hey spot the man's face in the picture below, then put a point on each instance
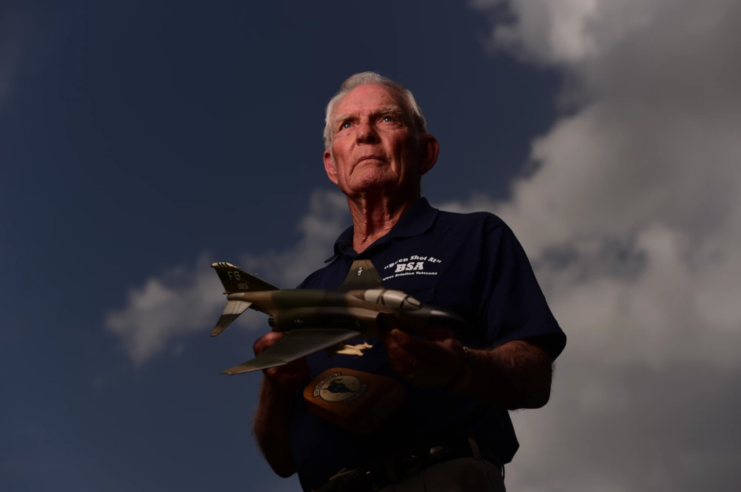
(374, 149)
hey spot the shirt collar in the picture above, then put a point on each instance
(414, 222)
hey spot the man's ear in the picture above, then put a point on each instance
(429, 149)
(331, 167)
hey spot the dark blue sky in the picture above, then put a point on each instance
(136, 135)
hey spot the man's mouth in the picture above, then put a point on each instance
(367, 158)
(370, 158)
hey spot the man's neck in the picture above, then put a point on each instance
(374, 217)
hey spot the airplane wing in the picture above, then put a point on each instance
(362, 276)
(293, 345)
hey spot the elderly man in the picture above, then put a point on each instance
(453, 430)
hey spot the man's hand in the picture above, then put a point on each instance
(514, 375)
(287, 378)
(436, 361)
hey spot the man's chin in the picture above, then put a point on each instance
(371, 179)
(368, 189)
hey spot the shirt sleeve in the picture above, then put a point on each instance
(515, 306)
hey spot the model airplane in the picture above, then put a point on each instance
(315, 319)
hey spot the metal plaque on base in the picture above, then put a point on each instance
(354, 400)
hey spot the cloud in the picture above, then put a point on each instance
(328, 216)
(165, 309)
(632, 220)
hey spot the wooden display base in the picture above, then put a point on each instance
(356, 401)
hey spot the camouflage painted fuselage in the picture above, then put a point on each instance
(356, 309)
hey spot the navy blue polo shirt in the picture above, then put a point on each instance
(470, 264)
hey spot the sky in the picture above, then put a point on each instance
(140, 141)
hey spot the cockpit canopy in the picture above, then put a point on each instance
(393, 298)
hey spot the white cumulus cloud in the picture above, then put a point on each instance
(165, 309)
(632, 219)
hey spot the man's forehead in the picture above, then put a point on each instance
(368, 98)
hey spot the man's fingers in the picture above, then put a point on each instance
(265, 341)
(400, 360)
(436, 334)
(288, 376)
(429, 352)
(298, 368)
(423, 362)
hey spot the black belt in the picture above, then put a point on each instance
(403, 464)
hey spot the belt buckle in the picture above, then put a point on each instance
(370, 479)
(438, 452)
(366, 483)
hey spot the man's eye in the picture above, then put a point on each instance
(388, 118)
(345, 125)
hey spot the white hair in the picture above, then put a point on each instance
(409, 107)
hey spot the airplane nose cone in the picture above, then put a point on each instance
(445, 319)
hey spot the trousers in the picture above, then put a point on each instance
(458, 475)
(458, 464)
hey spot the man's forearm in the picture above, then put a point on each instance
(515, 375)
(272, 428)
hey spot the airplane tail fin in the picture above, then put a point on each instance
(362, 275)
(235, 281)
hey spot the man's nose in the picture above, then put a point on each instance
(366, 133)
